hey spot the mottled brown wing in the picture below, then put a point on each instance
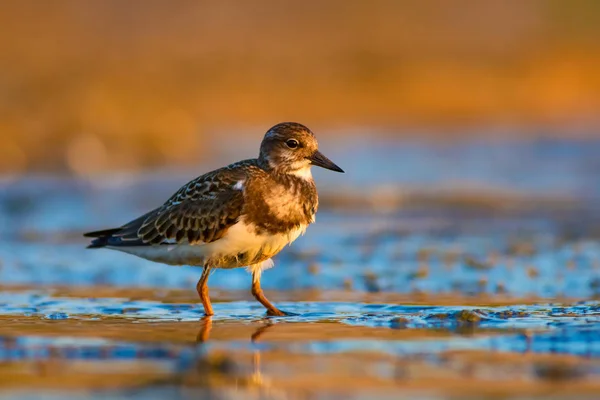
(200, 212)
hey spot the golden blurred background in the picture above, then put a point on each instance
(88, 86)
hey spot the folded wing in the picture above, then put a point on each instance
(200, 212)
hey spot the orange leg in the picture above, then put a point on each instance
(202, 288)
(258, 295)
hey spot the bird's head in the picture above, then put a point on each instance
(292, 148)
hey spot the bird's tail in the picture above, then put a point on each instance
(100, 237)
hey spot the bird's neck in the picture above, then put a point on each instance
(297, 177)
(302, 173)
(285, 170)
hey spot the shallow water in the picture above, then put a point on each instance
(121, 346)
(482, 294)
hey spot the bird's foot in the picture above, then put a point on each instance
(278, 313)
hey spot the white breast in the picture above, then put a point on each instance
(241, 238)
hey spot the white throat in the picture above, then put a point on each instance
(303, 173)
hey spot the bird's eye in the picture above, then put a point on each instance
(292, 143)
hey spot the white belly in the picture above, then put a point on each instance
(239, 239)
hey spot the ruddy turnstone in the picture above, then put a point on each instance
(237, 216)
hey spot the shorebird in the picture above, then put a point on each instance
(236, 216)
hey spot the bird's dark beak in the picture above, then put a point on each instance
(320, 160)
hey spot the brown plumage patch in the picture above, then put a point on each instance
(265, 213)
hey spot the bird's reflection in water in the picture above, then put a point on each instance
(205, 328)
(256, 378)
(260, 331)
(206, 324)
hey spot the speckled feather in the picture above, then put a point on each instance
(199, 212)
